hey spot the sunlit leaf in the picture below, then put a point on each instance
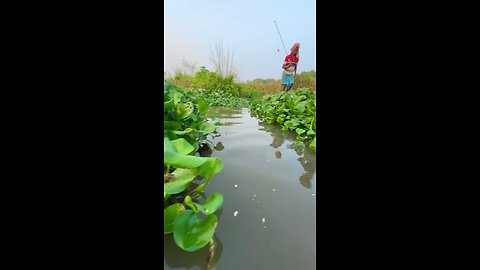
(191, 233)
(170, 214)
(182, 178)
(211, 204)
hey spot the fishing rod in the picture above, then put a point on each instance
(278, 30)
(280, 36)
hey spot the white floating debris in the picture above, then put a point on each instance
(254, 195)
(253, 199)
(313, 194)
(236, 186)
(263, 220)
(265, 227)
(235, 213)
(273, 189)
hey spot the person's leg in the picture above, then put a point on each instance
(290, 87)
(290, 82)
(284, 82)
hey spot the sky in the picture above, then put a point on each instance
(247, 27)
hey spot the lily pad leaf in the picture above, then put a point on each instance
(182, 146)
(299, 131)
(202, 105)
(170, 215)
(191, 233)
(206, 128)
(182, 178)
(211, 204)
(210, 168)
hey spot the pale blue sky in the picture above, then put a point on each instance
(247, 27)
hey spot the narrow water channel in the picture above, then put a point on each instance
(270, 183)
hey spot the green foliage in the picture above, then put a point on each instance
(192, 233)
(205, 79)
(213, 88)
(185, 128)
(218, 90)
(313, 144)
(185, 115)
(294, 110)
(226, 99)
(251, 93)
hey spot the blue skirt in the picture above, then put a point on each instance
(287, 80)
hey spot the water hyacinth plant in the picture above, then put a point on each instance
(294, 111)
(185, 174)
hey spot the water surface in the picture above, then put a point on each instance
(270, 181)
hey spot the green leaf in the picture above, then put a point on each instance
(299, 143)
(191, 233)
(310, 132)
(202, 105)
(288, 124)
(295, 122)
(171, 125)
(299, 131)
(175, 158)
(210, 168)
(168, 105)
(313, 144)
(211, 204)
(188, 202)
(182, 146)
(300, 107)
(184, 110)
(183, 132)
(177, 97)
(170, 214)
(206, 128)
(183, 177)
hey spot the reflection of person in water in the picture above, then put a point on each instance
(307, 161)
(309, 168)
(277, 135)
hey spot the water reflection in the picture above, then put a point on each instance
(206, 150)
(176, 257)
(306, 156)
(242, 147)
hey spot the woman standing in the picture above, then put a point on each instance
(290, 67)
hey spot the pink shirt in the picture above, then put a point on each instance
(290, 70)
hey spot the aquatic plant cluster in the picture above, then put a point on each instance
(222, 98)
(185, 175)
(214, 88)
(294, 110)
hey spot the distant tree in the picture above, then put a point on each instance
(222, 60)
